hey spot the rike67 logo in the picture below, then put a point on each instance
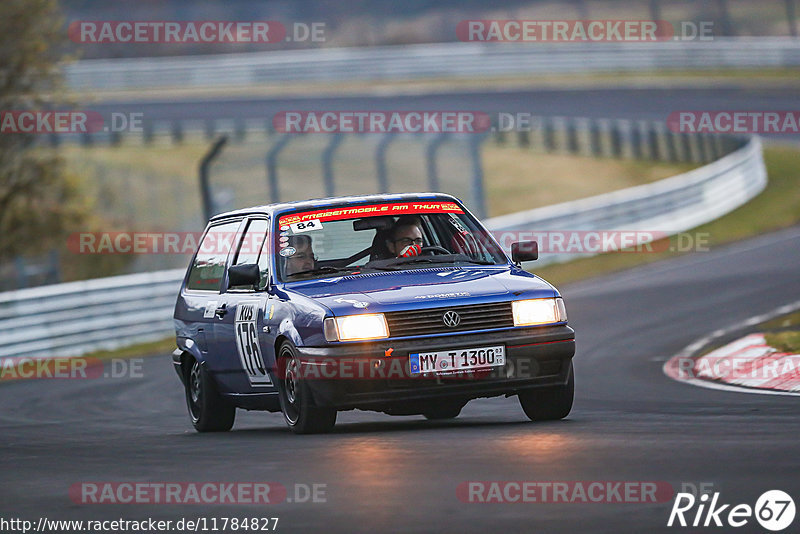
(774, 510)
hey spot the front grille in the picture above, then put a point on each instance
(473, 317)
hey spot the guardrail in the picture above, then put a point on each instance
(79, 317)
(669, 206)
(443, 60)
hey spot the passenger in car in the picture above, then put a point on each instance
(303, 259)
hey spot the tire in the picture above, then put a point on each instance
(299, 412)
(209, 411)
(449, 410)
(549, 404)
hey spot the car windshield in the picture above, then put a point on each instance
(390, 236)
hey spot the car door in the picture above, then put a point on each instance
(201, 295)
(240, 326)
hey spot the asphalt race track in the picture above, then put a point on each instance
(637, 103)
(400, 474)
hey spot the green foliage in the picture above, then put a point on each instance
(38, 202)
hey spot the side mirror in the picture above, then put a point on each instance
(246, 274)
(524, 251)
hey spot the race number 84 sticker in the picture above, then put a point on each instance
(247, 344)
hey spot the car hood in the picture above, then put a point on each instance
(422, 288)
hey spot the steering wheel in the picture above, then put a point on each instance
(433, 249)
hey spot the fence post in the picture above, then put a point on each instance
(380, 162)
(536, 133)
(548, 134)
(571, 131)
(272, 166)
(177, 132)
(583, 136)
(478, 193)
(147, 133)
(430, 152)
(615, 140)
(205, 163)
(595, 138)
(626, 141)
(327, 163)
(665, 147)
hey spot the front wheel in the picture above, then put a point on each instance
(210, 411)
(551, 403)
(298, 409)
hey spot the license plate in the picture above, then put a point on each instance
(447, 361)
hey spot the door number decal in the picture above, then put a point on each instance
(247, 344)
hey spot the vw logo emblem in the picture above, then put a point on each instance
(451, 319)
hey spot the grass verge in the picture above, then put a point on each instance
(783, 333)
(784, 341)
(161, 346)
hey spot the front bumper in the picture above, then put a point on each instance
(375, 375)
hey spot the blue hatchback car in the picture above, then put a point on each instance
(402, 304)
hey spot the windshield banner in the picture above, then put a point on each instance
(372, 210)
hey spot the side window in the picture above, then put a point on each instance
(251, 242)
(250, 246)
(209, 264)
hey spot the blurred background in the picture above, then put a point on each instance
(384, 22)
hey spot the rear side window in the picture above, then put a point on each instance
(209, 264)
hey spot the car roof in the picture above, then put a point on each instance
(269, 209)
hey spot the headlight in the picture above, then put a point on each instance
(538, 311)
(356, 327)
